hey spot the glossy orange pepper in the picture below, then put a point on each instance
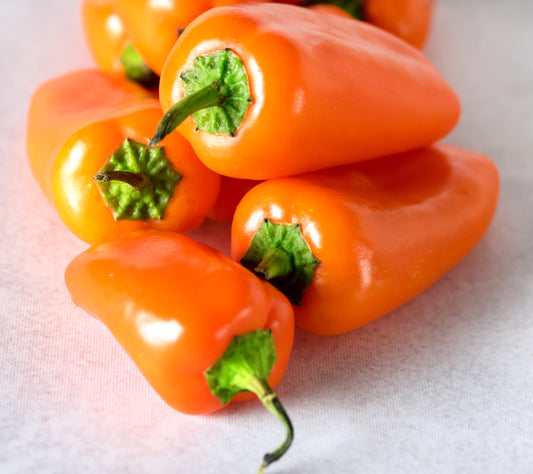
(317, 98)
(407, 19)
(175, 305)
(110, 44)
(231, 192)
(105, 33)
(379, 232)
(75, 123)
(154, 27)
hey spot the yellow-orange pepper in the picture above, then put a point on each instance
(76, 123)
(350, 244)
(105, 33)
(154, 27)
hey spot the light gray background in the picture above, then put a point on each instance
(442, 385)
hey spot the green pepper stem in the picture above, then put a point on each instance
(276, 262)
(245, 366)
(271, 402)
(136, 69)
(135, 180)
(209, 96)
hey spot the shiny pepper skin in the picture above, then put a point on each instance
(383, 230)
(75, 123)
(105, 33)
(318, 99)
(154, 27)
(175, 305)
(407, 19)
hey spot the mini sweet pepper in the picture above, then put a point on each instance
(275, 90)
(349, 244)
(87, 142)
(201, 328)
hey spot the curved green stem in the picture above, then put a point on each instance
(209, 96)
(271, 402)
(135, 180)
(245, 366)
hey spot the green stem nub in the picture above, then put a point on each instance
(276, 262)
(136, 69)
(216, 93)
(245, 366)
(279, 253)
(137, 182)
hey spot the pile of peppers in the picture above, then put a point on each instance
(311, 125)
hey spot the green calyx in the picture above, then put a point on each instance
(216, 94)
(245, 366)
(137, 182)
(279, 253)
(355, 8)
(136, 69)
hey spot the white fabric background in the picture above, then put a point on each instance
(442, 385)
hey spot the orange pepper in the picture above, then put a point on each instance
(109, 43)
(407, 19)
(231, 192)
(76, 122)
(154, 27)
(175, 306)
(352, 243)
(105, 33)
(323, 91)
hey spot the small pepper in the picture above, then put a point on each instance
(410, 20)
(407, 19)
(88, 124)
(109, 43)
(231, 192)
(349, 244)
(276, 90)
(200, 327)
(154, 27)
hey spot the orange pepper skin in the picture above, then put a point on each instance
(76, 122)
(105, 33)
(57, 111)
(175, 305)
(231, 192)
(354, 95)
(384, 230)
(326, 9)
(407, 19)
(154, 26)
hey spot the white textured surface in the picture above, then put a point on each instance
(442, 385)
